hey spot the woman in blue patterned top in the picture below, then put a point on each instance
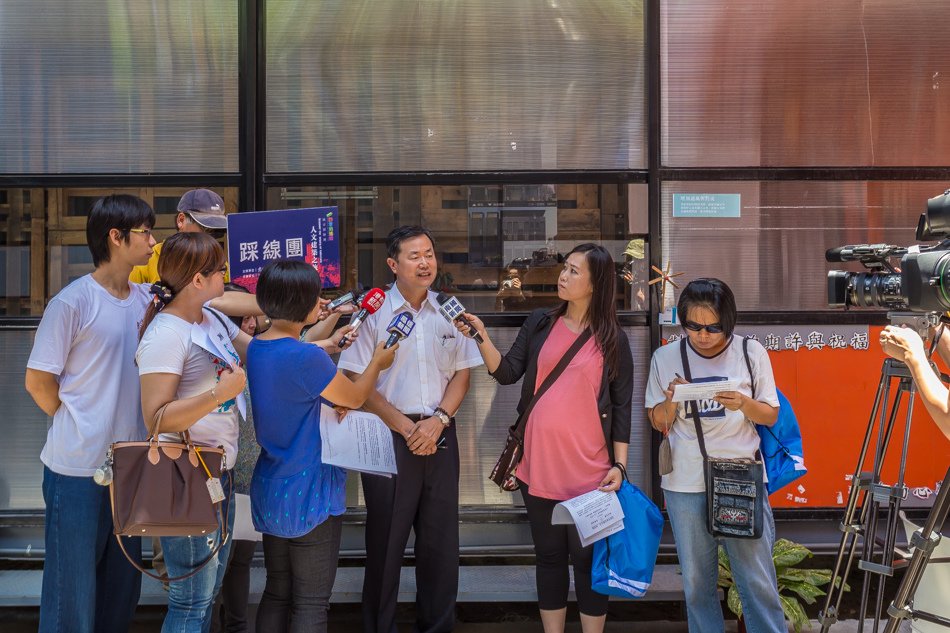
(296, 501)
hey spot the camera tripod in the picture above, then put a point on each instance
(869, 497)
(923, 541)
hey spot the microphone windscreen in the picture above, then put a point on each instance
(373, 300)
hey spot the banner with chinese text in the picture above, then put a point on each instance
(258, 238)
(831, 374)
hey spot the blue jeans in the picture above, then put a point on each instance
(751, 561)
(191, 601)
(88, 585)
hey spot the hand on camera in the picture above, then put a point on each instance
(902, 343)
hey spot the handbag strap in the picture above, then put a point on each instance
(694, 404)
(519, 426)
(222, 528)
(748, 363)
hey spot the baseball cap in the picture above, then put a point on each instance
(205, 207)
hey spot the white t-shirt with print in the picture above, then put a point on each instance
(727, 434)
(170, 346)
(87, 338)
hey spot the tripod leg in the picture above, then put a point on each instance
(849, 527)
(924, 542)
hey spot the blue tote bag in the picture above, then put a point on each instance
(623, 562)
(781, 443)
(781, 446)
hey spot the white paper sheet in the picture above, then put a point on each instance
(702, 390)
(597, 515)
(361, 442)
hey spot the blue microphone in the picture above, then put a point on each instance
(399, 328)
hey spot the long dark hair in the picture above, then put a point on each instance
(183, 256)
(601, 314)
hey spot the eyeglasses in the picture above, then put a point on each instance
(146, 232)
(712, 328)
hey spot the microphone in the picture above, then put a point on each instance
(452, 309)
(343, 299)
(399, 328)
(863, 252)
(370, 303)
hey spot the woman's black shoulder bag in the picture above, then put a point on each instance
(735, 488)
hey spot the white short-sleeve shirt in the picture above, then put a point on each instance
(425, 361)
(87, 338)
(727, 434)
(170, 346)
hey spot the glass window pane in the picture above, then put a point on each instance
(809, 83)
(773, 254)
(43, 238)
(119, 87)
(501, 247)
(455, 85)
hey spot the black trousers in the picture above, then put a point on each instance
(230, 612)
(554, 546)
(423, 497)
(300, 575)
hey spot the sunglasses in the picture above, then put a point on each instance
(712, 328)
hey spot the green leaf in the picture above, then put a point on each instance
(808, 592)
(786, 553)
(794, 613)
(817, 577)
(724, 559)
(733, 602)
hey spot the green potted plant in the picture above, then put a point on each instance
(793, 583)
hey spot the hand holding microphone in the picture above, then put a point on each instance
(399, 328)
(371, 302)
(454, 312)
(344, 299)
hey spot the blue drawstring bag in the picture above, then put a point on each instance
(623, 562)
(781, 446)
(781, 443)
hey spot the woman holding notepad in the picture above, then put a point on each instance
(578, 430)
(711, 354)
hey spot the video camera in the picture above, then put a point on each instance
(921, 283)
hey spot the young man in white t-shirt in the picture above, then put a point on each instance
(82, 373)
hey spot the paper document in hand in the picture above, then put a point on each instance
(702, 390)
(597, 515)
(361, 442)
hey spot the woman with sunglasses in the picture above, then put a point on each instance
(189, 359)
(578, 433)
(707, 310)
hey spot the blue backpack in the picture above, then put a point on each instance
(781, 443)
(623, 562)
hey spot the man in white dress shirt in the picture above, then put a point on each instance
(416, 398)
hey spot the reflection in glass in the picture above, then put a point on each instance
(773, 255)
(493, 85)
(501, 247)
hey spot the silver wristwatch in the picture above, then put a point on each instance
(442, 415)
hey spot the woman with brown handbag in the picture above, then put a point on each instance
(577, 435)
(189, 361)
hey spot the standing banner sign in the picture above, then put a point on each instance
(258, 238)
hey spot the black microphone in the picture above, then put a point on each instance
(399, 328)
(861, 252)
(343, 299)
(452, 309)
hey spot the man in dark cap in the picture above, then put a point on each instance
(198, 210)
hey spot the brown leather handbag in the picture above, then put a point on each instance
(160, 488)
(503, 474)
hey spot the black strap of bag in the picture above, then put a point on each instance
(518, 428)
(735, 490)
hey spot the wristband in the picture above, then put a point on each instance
(443, 416)
(621, 468)
(215, 396)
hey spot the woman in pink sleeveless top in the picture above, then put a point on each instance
(578, 432)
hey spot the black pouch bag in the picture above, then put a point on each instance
(735, 488)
